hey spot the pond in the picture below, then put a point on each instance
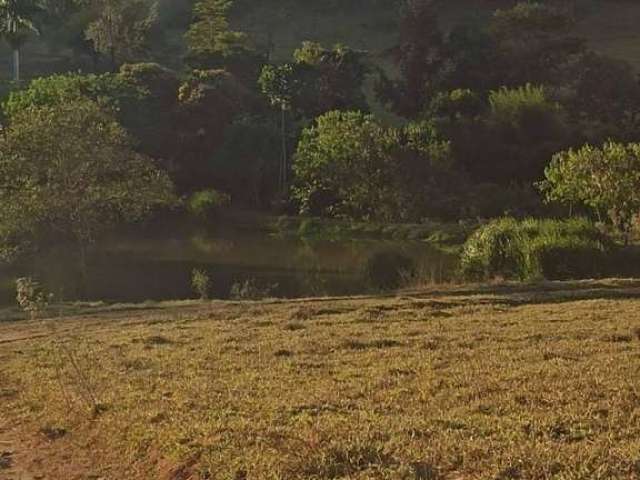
(157, 265)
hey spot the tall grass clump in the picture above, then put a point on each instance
(201, 283)
(535, 249)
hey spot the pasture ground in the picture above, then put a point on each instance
(500, 382)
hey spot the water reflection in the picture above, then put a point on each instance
(135, 267)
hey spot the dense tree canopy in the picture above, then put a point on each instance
(317, 81)
(504, 93)
(348, 165)
(69, 171)
(605, 179)
(121, 28)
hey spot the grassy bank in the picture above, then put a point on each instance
(441, 234)
(504, 382)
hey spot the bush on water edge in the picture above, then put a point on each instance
(534, 249)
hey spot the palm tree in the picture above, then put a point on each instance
(16, 25)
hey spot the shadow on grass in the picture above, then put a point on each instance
(508, 294)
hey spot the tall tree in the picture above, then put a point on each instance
(317, 81)
(121, 28)
(349, 165)
(212, 44)
(518, 131)
(69, 172)
(419, 57)
(604, 179)
(209, 101)
(533, 42)
(16, 26)
(210, 33)
(280, 84)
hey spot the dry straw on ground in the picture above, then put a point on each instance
(498, 383)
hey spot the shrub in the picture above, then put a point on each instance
(250, 289)
(532, 249)
(201, 283)
(494, 249)
(206, 204)
(388, 269)
(31, 297)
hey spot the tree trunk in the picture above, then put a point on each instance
(16, 65)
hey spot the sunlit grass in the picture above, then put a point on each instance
(521, 384)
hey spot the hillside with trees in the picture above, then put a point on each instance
(454, 111)
(320, 240)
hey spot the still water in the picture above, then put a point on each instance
(134, 267)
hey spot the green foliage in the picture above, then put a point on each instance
(456, 103)
(70, 171)
(519, 131)
(348, 165)
(420, 57)
(533, 249)
(317, 81)
(530, 42)
(247, 161)
(534, 18)
(341, 165)
(534, 43)
(106, 89)
(604, 179)
(181, 123)
(209, 34)
(206, 204)
(334, 78)
(389, 269)
(209, 101)
(279, 84)
(201, 283)
(147, 102)
(494, 249)
(121, 28)
(212, 44)
(509, 105)
(602, 97)
(143, 97)
(151, 79)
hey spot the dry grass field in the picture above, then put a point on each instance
(503, 382)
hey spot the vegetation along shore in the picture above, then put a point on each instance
(347, 239)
